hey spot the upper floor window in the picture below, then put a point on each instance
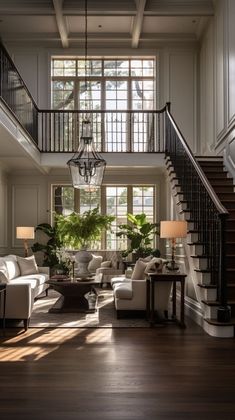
(112, 84)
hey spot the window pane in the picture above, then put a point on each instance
(63, 199)
(116, 204)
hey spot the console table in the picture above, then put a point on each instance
(3, 289)
(165, 277)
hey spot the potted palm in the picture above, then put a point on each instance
(140, 233)
(79, 231)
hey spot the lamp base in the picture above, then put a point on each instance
(172, 266)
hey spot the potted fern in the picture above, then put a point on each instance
(79, 231)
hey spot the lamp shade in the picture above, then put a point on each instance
(25, 232)
(173, 229)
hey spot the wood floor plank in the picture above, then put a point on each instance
(119, 374)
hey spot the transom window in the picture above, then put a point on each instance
(111, 199)
(112, 84)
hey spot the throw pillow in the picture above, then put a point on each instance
(156, 264)
(106, 264)
(138, 271)
(3, 278)
(95, 263)
(13, 269)
(27, 265)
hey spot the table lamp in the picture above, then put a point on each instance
(25, 232)
(172, 229)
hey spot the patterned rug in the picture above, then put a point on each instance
(104, 317)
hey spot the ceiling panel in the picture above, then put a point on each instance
(107, 23)
(24, 24)
(171, 24)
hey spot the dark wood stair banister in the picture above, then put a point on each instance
(224, 311)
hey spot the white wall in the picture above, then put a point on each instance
(217, 84)
(207, 96)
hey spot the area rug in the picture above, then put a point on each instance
(104, 317)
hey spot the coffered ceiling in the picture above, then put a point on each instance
(133, 23)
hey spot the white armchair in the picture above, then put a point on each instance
(130, 295)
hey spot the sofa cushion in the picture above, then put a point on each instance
(139, 270)
(118, 279)
(34, 280)
(13, 268)
(123, 290)
(95, 263)
(27, 265)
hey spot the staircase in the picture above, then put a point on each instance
(223, 186)
(204, 196)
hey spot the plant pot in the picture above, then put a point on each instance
(83, 257)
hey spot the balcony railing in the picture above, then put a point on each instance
(59, 131)
(113, 131)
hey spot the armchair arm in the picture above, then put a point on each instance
(18, 301)
(44, 270)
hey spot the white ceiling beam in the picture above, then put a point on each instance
(61, 22)
(138, 22)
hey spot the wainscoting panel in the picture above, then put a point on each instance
(25, 209)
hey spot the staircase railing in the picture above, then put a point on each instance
(206, 211)
(16, 95)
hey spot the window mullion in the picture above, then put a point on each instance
(103, 211)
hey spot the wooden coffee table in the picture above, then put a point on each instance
(73, 295)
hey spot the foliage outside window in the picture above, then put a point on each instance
(110, 199)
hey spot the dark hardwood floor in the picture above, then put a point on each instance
(119, 374)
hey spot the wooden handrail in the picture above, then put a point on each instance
(221, 209)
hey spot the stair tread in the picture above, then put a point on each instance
(207, 286)
(213, 321)
(200, 256)
(216, 302)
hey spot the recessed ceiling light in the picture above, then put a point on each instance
(194, 21)
(99, 26)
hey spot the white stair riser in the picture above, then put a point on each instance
(196, 249)
(200, 263)
(177, 189)
(210, 311)
(203, 278)
(208, 294)
(192, 237)
(182, 206)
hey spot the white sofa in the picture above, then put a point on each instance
(130, 293)
(21, 290)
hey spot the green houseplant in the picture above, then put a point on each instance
(79, 231)
(140, 233)
(50, 248)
